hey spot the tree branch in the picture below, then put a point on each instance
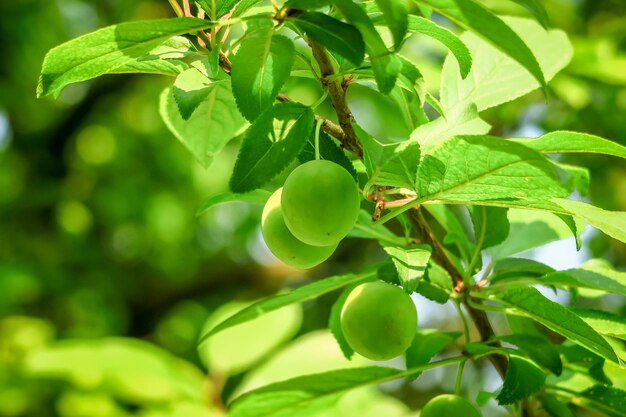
(337, 93)
(479, 317)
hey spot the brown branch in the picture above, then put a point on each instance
(337, 93)
(479, 317)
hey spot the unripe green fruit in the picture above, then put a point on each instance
(379, 320)
(283, 244)
(449, 405)
(320, 202)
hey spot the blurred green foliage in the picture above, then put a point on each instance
(100, 245)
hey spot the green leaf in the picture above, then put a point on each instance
(334, 322)
(386, 66)
(365, 229)
(460, 120)
(476, 18)
(529, 229)
(455, 232)
(603, 322)
(240, 348)
(304, 394)
(523, 378)
(425, 345)
(518, 267)
(210, 126)
(130, 369)
(329, 151)
(171, 67)
(574, 142)
(436, 285)
(108, 49)
(538, 11)
(531, 303)
(410, 264)
(499, 79)
(538, 348)
(224, 6)
(613, 223)
(609, 400)
(299, 295)
(259, 70)
(333, 34)
(595, 274)
(491, 225)
(306, 4)
(190, 89)
(583, 361)
(474, 168)
(396, 15)
(554, 406)
(253, 197)
(265, 152)
(459, 50)
(393, 164)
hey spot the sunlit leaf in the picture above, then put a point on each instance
(108, 49)
(531, 303)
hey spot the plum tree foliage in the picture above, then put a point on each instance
(234, 66)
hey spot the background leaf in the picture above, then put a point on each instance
(395, 13)
(265, 152)
(426, 344)
(495, 77)
(329, 151)
(605, 323)
(333, 34)
(259, 69)
(491, 225)
(410, 264)
(108, 49)
(215, 122)
(304, 293)
(523, 378)
(190, 89)
(485, 168)
(334, 322)
(254, 197)
(307, 393)
(574, 142)
(386, 66)
(451, 41)
(472, 16)
(531, 303)
(537, 9)
(537, 348)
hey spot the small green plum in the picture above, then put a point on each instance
(320, 202)
(283, 244)
(449, 405)
(379, 320)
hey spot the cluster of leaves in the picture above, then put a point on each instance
(226, 86)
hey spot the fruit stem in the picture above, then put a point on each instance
(318, 126)
(459, 378)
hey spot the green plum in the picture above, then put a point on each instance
(320, 202)
(449, 405)
(283, 244)
(379, 320)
